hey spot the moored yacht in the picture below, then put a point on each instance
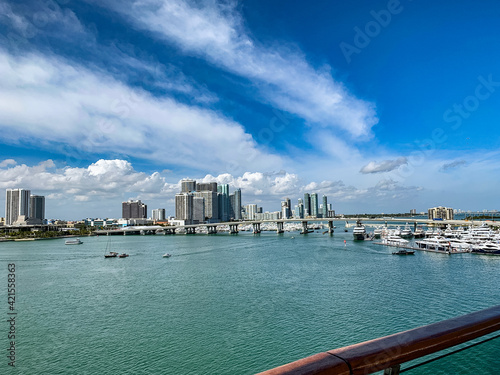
(406, 232)
(359, 231)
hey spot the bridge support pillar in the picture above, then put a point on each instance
(190, 230)
(256, 228)
(279, 227)
(304, 228)
(330, 227)
(233, 228)
(169, 231)
(212, 229)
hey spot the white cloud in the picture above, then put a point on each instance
(216, 32)
(7, 162)
(103, 185)
(384, 166)
(63, 106)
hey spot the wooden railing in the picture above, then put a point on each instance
(387, 353)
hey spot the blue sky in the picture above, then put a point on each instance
(383, 106)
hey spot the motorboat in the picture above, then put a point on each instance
(167, 255)
(123, 255)
(111, 254)
(73, 241)
(403, 252)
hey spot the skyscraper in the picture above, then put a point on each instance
(325, 206)
(314, 205)
(235, 200)
(206, 186)
(224, 204)
(307, 205)
(188, 186)
(301, 209)
(184, 207)
(198, 210)
(37, 208)
(211, 204)
(17, 203)
(134, 210)
(286, 211)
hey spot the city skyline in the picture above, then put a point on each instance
(382, 106)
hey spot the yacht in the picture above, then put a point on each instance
(419, 232)
(406, 232)
(73, 241)
(377, 233)
(359, 231)
(438, 244)
(395, 241)
(490, 248)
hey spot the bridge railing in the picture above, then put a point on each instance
(389, 352)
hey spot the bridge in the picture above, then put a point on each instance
(213, 228)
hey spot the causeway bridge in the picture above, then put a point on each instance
(213, 228)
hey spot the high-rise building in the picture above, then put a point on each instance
(134, 210)
(301, 208)
(37, 209)
(251, 210)
(325, 206)
(314, 205)
(211, 204)
(235, 201)
(206, 186)
(285, 209)
(188, 186)
(224, 203)
(158, 214)
(198, 210)
(440, 212)
(17, 203)
(184, 207)
(307, 204)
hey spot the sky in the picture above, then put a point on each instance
(382, 106)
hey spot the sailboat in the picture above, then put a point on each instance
(110, 254)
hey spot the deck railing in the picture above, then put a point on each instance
(389, 352)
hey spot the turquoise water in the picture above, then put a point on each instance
(230, 304)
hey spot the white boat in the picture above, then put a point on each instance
(359, 231)
(419, 232)
(438, 244)
(167, 255)
(395, 241)
(377, 233)
(73, 241)
(406, 232)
